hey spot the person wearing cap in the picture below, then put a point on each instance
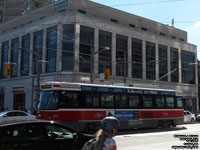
(104, 136)
(109, 127)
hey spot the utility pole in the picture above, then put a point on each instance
(92, 62)
(38, 77)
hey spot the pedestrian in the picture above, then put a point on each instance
(104, 136)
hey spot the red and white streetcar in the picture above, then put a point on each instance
(82, 106)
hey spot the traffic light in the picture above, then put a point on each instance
(8, 71)
(107, 74)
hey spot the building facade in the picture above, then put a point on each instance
(10, 9)
(69, 39)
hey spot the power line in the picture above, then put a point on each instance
(145, 3)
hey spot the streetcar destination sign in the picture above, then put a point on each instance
(127, 90)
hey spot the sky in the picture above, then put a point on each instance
(186, 14)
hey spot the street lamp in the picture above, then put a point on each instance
(92, 62)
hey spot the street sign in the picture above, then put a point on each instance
(60, 5)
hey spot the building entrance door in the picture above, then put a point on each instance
(19, 101)
(2, 102)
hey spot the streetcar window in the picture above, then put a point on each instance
(121, 101)
(179, 102)
(159, 102)
(134, 101)
(91, 100)
(147, 101)
(107, 100)
(68, 99)
(170, 102)
(48, 100)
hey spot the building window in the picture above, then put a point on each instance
(25, 55)
(188, 67)
(37, 47)
(173, 37)
(82, 11)
(14, 56)
(136, 58)
(51, 49)
(121, 54)
(105, 40)
(174, 65)
(163, 34)
(86, 47)
(150, 61)
(4, 57)
(114, 20)
(143, 28)
(132, 25)
(68, 47)
(163, 63)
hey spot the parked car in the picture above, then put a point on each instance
(189, 117)
(198, 117)
(40, 135)
(15, 116)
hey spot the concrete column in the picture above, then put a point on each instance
(196, 70)
(157, 60)
(59, 48)
(76, 47)
(129, 57)
(96, 49)
(168, 63)
(114, 54)
(144, 59)
(179, 65)
(44, 49)
(0, 58)
(19, 57)
(9, 51)
(31, 65)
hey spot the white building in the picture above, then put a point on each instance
(68, 32)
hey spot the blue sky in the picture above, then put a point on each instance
(186, 14)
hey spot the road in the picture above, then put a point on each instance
(160, 139)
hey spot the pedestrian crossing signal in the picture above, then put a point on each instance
(107, 74)
(8, 71)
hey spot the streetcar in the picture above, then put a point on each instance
(82, 106)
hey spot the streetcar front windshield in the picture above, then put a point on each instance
(48, 100)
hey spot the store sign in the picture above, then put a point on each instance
(60, 5)
(19, 89)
